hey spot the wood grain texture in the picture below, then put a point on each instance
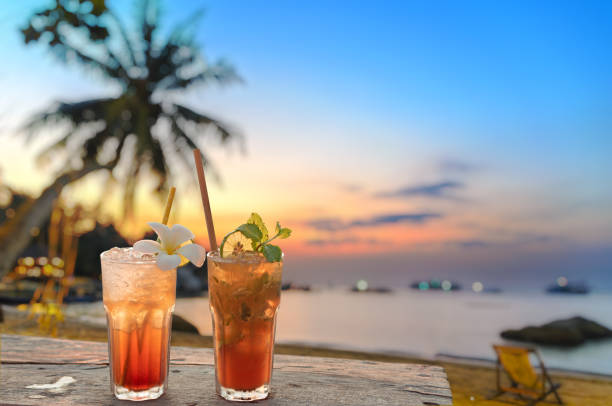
(296, 380)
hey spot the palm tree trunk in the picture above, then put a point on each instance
(15, 234)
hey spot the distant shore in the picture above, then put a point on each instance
(472, 380)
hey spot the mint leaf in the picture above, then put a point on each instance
(256, 220)
(281, 232)
(256, 231)
(250, 231)
(272, 253)
(284, 233)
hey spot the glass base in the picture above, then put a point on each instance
(235, 395)
(147, 394)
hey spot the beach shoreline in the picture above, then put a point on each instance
(472, 380)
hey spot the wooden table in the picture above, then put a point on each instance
(296, 380)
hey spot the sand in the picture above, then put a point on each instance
(471, 383)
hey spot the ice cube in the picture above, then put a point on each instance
(121, 318)
(126, 254)
(137, 255)
(140, 315)
(158, 317)
(268, 313)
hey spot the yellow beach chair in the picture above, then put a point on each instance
(524, 380)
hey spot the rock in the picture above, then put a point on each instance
(568, 337)
(567, 332)
(180, 324)
(188, 281)
(92, 244)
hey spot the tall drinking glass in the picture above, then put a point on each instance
(139, 300)
(244, 297)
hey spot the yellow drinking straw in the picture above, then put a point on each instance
(167, 208)
(168, 205)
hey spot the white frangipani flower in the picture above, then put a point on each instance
(169, 251)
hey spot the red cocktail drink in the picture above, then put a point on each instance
(139, 356)
(244, 297)
(139, 299)
(247, 363)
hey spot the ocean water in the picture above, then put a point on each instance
(427, 324)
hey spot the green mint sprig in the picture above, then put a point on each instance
(256, 231)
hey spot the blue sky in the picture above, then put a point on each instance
(344, 102)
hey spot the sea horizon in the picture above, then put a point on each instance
(401, 273)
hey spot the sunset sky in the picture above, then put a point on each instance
(410, 139)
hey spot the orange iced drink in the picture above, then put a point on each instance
(139, 300)
(244, 295)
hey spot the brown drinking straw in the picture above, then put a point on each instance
(204, 191)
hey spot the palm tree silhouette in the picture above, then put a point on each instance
(142, 128)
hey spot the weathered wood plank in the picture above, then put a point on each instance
(296, 380)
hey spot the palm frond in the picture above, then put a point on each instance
(221, 72)
(179, 52)
(79, 116)
(203, 120)
(148, 26)
(184, 145)
(128, 48)
(50, 150)
(92, 145)
(70, 23)
(181, 34)
(76, 114)
(67, 52)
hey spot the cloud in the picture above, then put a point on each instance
(532, 238)
(321, 242)
(335, 224)
(434, 190)
(470, 243)
(351, 187)
(509, 240)
(452, 165)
